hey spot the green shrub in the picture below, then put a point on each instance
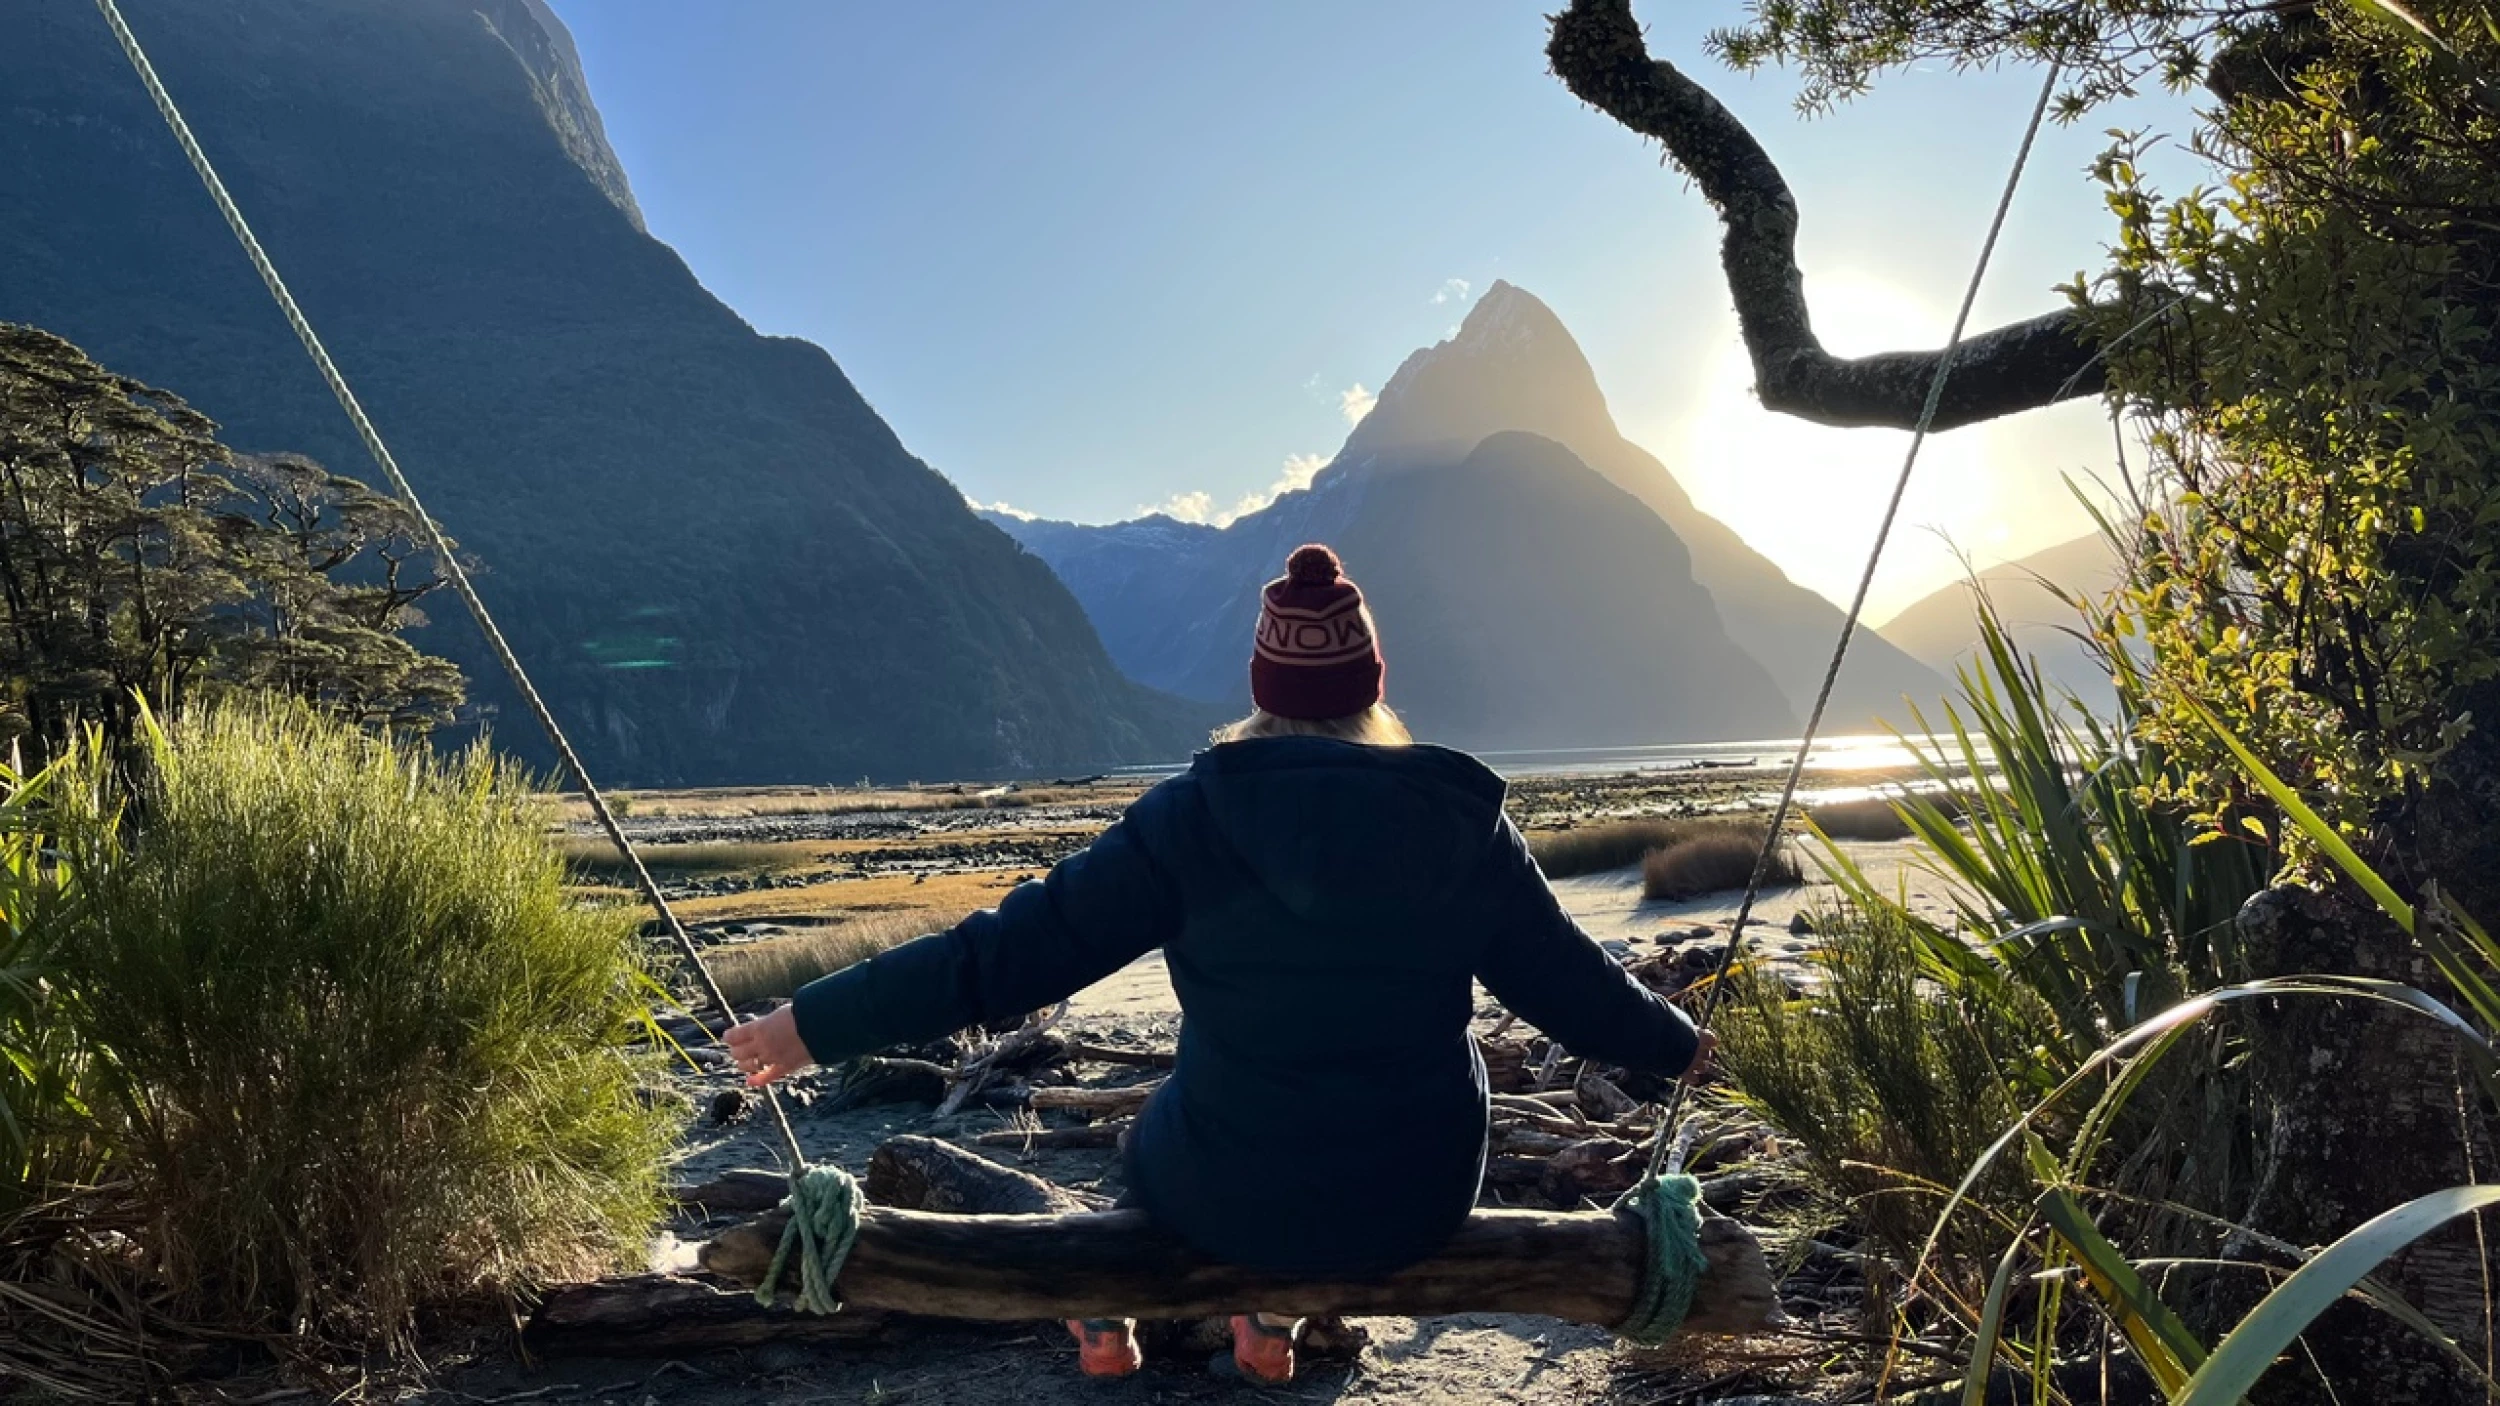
(1891, 1084)
(758, 971)
(368, 1054)
(2084, 907)
(1715, 861)
(2086, 889)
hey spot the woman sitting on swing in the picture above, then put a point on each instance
(1325, 892)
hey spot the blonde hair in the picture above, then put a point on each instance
(1375, 726)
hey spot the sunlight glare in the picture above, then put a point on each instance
(1809, 496)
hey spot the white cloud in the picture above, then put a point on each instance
(1184, 507)
(1199, 506)
(1002, 509)
(1453, 290)
(1356, 402)
(1300, 469)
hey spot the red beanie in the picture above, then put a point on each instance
(1317, 655)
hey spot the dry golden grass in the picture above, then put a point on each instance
(881, 893)
(778, 967)
(1715, 862)
(741, 802)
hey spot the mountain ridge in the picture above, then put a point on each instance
(1941, 628)
(1514, 365)
(1525, 600)
(1510, 368)
(718, 561)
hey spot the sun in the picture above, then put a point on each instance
(1809, 497)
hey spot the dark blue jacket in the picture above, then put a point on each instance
(1323, 907)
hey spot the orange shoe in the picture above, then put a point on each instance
(1106, 1347)
(1262, 1353)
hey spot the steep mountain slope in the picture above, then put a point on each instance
(1123, 574)
(1523, 601)
(1514, 366)
(1940, 628)
(720, 563)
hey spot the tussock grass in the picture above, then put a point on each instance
(1874, 818)
(1620, 844)
(1714, 862)
(367, 1055)
(594, 860)
(777, 967)
(48, 1071)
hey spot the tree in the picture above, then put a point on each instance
(2314, 348)
(139, 555)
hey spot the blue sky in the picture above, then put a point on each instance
(1093, 257)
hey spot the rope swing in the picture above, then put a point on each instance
(824, 1201)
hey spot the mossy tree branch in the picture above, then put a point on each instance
(1598, 52)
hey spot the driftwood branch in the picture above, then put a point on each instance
(658, 1315)
(1111, 1054)
(918, 1173)
(1598, 52)
(978, 1071)
(1007, 1246)
(1113, 1264)
(1100, 1103)
(1090, 1135)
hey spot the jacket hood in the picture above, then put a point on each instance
(1343, 832)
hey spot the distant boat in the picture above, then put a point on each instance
(1720, 762)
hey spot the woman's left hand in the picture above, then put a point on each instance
(769, 1048)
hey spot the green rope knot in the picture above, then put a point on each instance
(824, 1224)
(1670, 1209)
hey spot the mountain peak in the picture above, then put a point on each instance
(1509, 314)
(1511, 366)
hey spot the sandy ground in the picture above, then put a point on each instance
(1442, 1361)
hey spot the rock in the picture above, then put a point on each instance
(1618, 949)
(1801, 924)
(731, 1106)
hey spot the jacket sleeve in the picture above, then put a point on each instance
(1540, 965)
(1096, 911)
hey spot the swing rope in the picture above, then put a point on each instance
(1665, 1198)
(824, 1201)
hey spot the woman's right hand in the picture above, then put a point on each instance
(769, 1048)
(1699, 1069)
